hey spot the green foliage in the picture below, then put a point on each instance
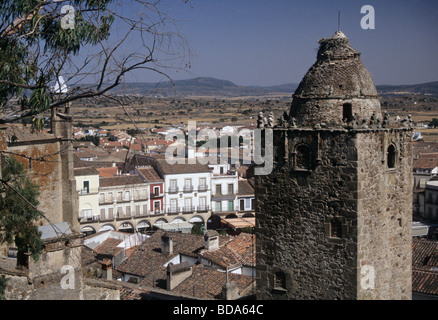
(198, 229)
(18, 213)
(247, 230)
(34, 47)
(95, 139)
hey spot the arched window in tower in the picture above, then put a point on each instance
(347, 112)
(391, 156)
(335, 228)
(302, 157)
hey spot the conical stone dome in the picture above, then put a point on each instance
(336, 87)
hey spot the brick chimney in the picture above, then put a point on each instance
(177, 273)
(107, 269)
(230, 291)
(211, 239)
(166, 244)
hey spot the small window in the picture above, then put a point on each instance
(280, 280)
(302, 157)
(86, 187)
(335, 228)
(157, 206)
(391, 156)
(347, 112)
(230, 188)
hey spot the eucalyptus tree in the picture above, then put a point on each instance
(92, 44)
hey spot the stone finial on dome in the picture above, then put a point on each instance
(335, 87)
(339, 34)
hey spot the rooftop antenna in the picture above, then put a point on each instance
(339, 19)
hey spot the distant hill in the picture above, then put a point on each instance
(212, 87)
(203, 86)
(429, 88)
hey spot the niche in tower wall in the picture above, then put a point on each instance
(391, 156)
(303, 157)
(281, 281)
(304, 151)
(335, 228)
(347, 112)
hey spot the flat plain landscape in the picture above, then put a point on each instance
(140, 108)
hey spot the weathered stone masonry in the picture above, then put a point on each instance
(338, 201)
(347, 180)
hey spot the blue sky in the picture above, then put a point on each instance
(260, 42)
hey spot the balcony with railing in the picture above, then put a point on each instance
(106, 200)
(187, 189)
(203, 208)
(202, 188)
(173, 210)
(188, 209)
(88, 219)
(156, 195)
(157, 212)
(173, 190)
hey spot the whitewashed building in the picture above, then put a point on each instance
(224, 188)
(87, 187)
(186, 186)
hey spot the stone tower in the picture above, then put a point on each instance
(334, 216)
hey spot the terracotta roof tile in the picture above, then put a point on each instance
(107, 172)
(424, 281)
(424, 253)
(147, 260)
(237, 251)
(206, 283)
(85, 171)
(149, 174)
(245, 188)
(425, 163)
(109, 247)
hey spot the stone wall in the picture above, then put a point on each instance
(58, 273)
(294, 206)
(101, 290)
(309, 111)
(385, 214)
(314, 229)
(57, 276)
(46, 174)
